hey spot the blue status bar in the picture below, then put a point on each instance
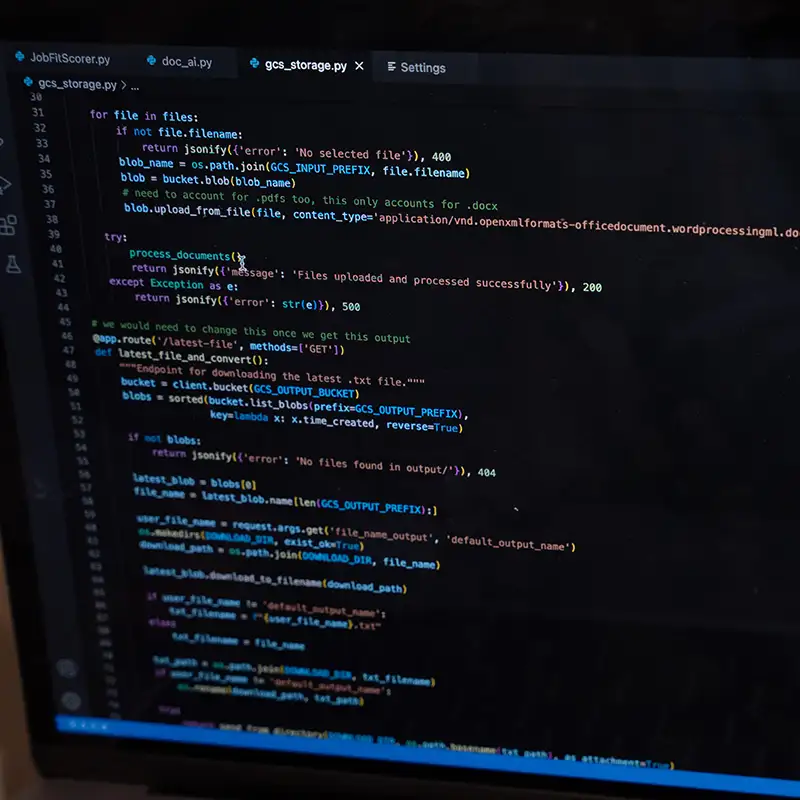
(344, 748)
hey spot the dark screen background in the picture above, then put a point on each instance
(652, 424)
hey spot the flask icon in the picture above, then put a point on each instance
(12, 268)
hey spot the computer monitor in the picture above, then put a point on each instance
(418, 404)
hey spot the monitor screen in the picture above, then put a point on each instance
(411, 408)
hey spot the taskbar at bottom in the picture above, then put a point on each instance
(347, 748)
